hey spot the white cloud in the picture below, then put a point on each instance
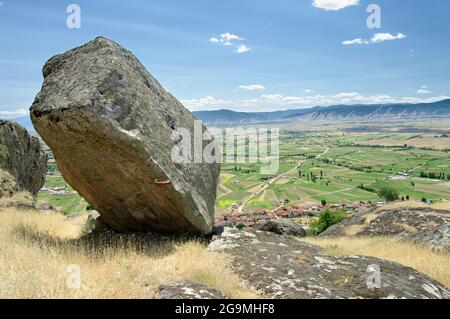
(335, 99)
(252, 87)
(423, 90)
(346, 95)
(226, 38)
(242, 48)
(14, 113)
(355, 41)
(376, 38)
(307, 90)
(334, 5)
(380, 37)
(229, 39)
(203, 103)
(270, 102)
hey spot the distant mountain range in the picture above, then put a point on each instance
(329, 113)
(318, 113)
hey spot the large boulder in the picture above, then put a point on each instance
(112, 128)
(22, 160)
(285, 267)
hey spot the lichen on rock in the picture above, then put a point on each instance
(110, 125)
(23, 163)
(286, 267)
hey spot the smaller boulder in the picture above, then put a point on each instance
(283, 227)
(189, 290)
(22, 156)
(94, 224)
(42, 205)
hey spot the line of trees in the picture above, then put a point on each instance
(434, 175)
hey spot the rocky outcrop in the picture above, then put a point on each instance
(423, 226)
(8, 185)
(283, 226)
(25, 201)
(285, 267)
(112, 128)
(189, 290)
(22, 160)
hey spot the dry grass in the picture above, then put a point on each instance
(352, 230)
(434, 264)
(36, 249)
(445, 205)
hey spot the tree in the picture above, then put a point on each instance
(390, 194)
(326, 219)
(323, 202)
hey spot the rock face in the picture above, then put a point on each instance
(284, 226)
(112, 128)
(22, 160)
(189, 290)
(423, 226)
(285, 267)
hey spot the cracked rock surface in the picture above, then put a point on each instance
(112, 128)
(23, 163)
(286, 267)
(189, 290)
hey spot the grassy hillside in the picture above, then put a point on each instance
(39, 247)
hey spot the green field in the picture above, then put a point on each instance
(344, 166)
(68, 204)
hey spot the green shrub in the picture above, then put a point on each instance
(326, 219)
(390, 194)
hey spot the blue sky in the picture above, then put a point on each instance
(244, 55)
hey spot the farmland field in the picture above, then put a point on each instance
(344, 163)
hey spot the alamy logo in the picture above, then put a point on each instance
(74, 19)
(374, 278)
(374, 19)
(73, 280)
(240, 145)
